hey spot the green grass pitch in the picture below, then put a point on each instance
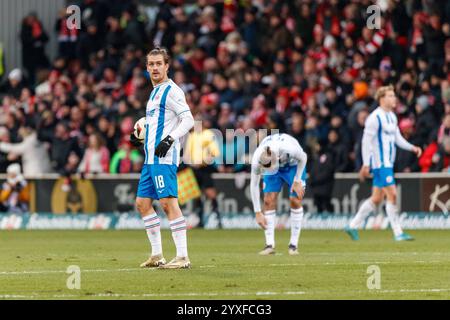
(225, 265)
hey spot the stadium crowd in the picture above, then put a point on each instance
(308, 68)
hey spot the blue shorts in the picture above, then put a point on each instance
(158, 181)
(383, 177)
(274, 182)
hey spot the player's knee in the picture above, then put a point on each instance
(165, 205)
(269, 201)
(376, 199)
(295, 203)
(142, 205)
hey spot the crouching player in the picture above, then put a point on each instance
(280, 160)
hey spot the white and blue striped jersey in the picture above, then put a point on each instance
(286, 147)
(164, 107)
(288, 153)
(380, 139)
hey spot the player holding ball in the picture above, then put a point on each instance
(168, 118)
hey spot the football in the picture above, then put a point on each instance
(139, 128)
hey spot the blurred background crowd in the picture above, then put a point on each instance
(308, 68)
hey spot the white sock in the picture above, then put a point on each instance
(270, 229)
(296, 225)
(391, 211)
(178, 227)
(364, 210)
(153, 228)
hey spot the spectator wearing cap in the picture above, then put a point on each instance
(34, 155)
(15, 193)
(14, 84)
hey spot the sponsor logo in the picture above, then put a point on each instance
(130, 221)
(11, 222)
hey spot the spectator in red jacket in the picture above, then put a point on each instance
(426, 160)
(441, 159)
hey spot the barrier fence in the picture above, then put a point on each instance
(107, 202)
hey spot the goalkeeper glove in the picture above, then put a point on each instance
(164, 146)
(135, 141)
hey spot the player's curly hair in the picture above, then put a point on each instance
(160, 50)
(381, 92)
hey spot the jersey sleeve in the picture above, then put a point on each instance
(177, 102)
(255, 179)
(296, 151)
(402, 142)
(370, 132)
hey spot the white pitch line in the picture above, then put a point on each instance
(10, 273)
(400, 254)
(155, 295)
(214, 294)
(63, 271)
(412, 290)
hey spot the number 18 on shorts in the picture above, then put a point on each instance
(158, 181)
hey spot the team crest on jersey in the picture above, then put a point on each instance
(151, 113)
(389, 179)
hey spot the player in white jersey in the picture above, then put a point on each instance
(168, 118)
(280, 160)
(380, 139)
